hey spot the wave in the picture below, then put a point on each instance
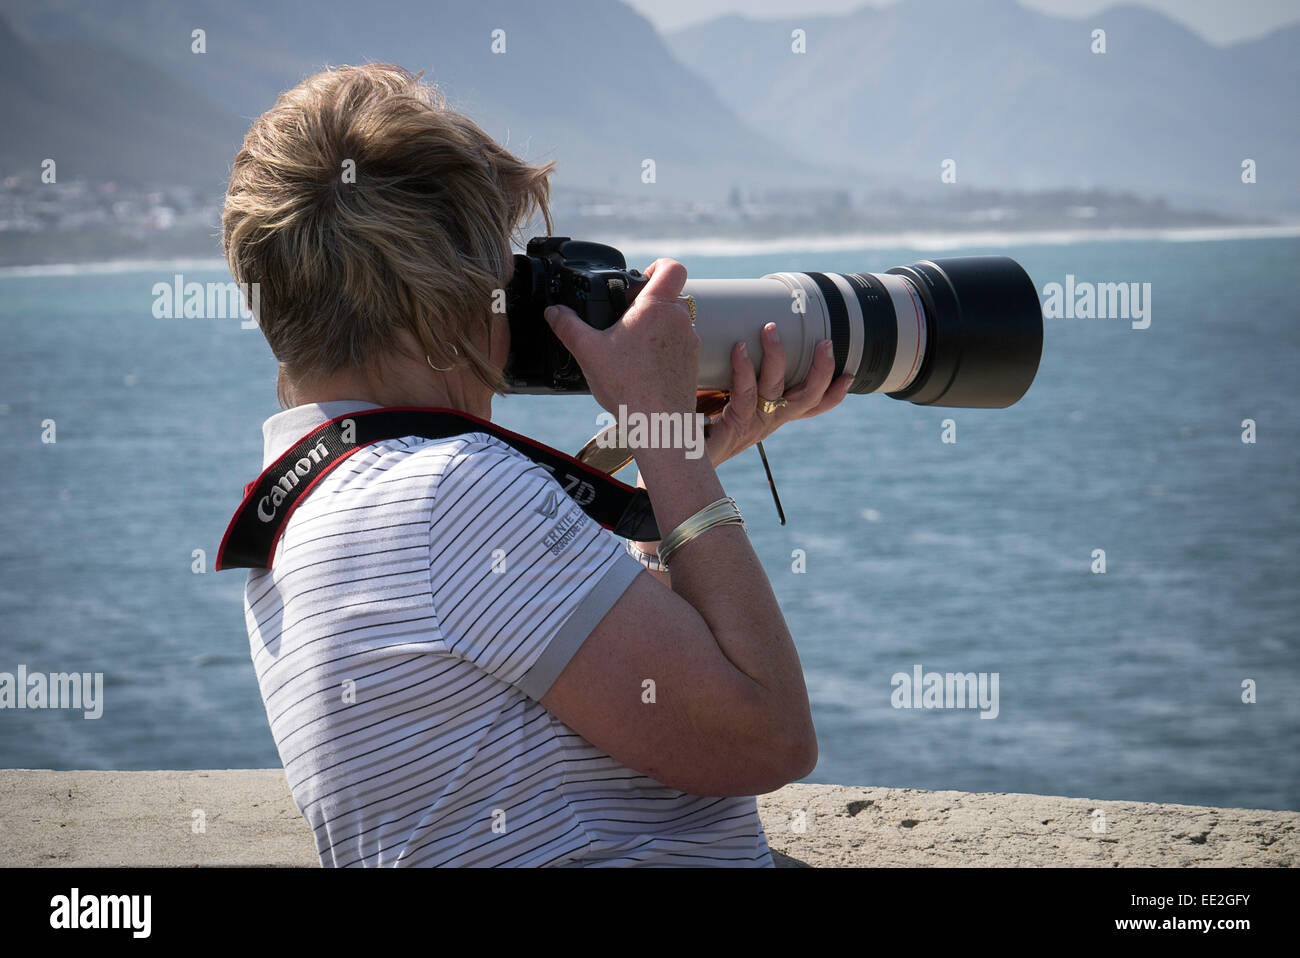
(727, 246)
(112, 267)
(943, 241)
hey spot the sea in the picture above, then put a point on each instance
(1118, 551)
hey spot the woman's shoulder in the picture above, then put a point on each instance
(410, 465)
(465, 445)
(464, 454)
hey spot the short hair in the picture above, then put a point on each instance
(360, 204)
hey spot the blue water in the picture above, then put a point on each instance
(973, 556)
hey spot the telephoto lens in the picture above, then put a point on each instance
(961, 331)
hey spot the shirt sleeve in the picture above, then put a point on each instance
(520, 575)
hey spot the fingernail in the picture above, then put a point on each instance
(551, 312)
(743, 348)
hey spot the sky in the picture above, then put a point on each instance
(1218, 21)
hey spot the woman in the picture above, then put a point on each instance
(448, 681)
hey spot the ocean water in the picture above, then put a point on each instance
(973, 556)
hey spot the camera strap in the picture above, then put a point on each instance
(269, 500)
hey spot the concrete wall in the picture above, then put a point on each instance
(248, 817)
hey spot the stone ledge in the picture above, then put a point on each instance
(144, 819)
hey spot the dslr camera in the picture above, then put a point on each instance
(959, 331)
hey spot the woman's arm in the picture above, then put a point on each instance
(728, 710)
(740, 424)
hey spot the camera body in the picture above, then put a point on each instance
(590, 278)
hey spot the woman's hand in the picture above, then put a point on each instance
(742, 423)
(649, 360)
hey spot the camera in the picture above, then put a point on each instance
(959, 331)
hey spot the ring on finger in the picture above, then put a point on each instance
(690, 304)
(770, 406)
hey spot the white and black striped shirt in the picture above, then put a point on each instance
(423, 598)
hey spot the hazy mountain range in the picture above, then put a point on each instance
(1018, 99)
(102, 114)
(585, 82)
(879, 100)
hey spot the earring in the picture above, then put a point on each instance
(455, 352)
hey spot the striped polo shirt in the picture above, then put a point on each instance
(422, 599)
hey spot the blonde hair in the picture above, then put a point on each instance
(417, 237)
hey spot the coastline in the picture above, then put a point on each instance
(246, 817)
(920, 241)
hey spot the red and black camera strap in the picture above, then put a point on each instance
(251, 537)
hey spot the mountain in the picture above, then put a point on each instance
(879, 100)
(1276, 53)
(104, 115)
(585, 82)
(1018, 99)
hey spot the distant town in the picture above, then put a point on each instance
(78, 221)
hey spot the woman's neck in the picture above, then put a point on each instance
(403, 382)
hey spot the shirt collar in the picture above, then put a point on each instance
(281, 431)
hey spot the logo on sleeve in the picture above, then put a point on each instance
(551, 504)
(564, 532)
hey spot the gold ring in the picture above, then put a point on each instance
(690, 304)
(770, 405)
